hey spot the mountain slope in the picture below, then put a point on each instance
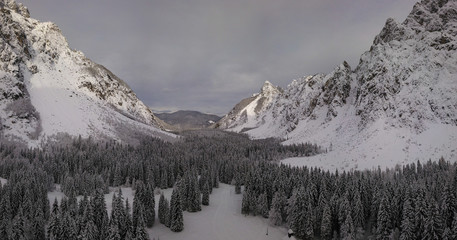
(398, 104)
(245, 113)
(48, 89)
(184, 120)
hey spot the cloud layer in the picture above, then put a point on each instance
(207, 55)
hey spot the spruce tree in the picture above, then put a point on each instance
(326, 225)
(113, 232)
(383, 222)
(38, 225)
(100, 214)
(277, 207)
(262, 205)
(433, 224)
(167, 213)
(348, 229)
(140, 231)
(149, 205)
(54, 225)
(205, 194)
(246, 203)
(161, 211)
(407, 223)
(176, 215)
(18, 231)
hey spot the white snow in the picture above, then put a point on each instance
(221, 220)
(3, 181)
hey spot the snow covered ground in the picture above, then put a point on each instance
(3, 181)
(221, 220)
(383, 148)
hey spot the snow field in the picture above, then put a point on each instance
(221, 220)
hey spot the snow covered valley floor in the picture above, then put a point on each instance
(221, 220)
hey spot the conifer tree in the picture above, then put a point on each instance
(205, 194)
(407, 224)
(176, 215)
(383, 223)
(161, 211)
(246, 202)
(17, 230)
(38, 225)
(167, 213)
(262, 205)
(348, 229)
(113, 232)
(100, 214)
(140, 231)
(433, 224)
(326, 226)
(54, 225)
(277, 206)
(149, 205)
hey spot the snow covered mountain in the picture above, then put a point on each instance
(398, 105)
(46, 88)
(245, 114)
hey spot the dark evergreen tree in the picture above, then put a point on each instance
(100, 214)
(140, 231)
(262, 205)
(176, 216)
(277, 211)
(433, 224)
(407, 224)
(167, 213)
(348, 229)
(326, 226)
(161, 211)
(205, 194)
(383, 230)
(38, 225)
(18, 231)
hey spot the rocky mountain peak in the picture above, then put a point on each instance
(268, 89)
(432, 15)
(16, 7)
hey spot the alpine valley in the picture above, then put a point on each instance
(359, 153)
(397, 106)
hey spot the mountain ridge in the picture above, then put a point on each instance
(398, 105)
(49, 89)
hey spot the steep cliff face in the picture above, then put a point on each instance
(398, 104)
(48, 88)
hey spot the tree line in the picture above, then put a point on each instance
(193, 167)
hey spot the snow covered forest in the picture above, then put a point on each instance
(416, 201)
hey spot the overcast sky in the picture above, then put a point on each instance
(207, 55)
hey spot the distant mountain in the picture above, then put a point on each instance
(185, 120)
(47, 89)
(398, 105)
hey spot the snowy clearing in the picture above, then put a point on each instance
(3, 181)
(221, 220)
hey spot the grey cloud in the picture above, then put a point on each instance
(208, 54)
